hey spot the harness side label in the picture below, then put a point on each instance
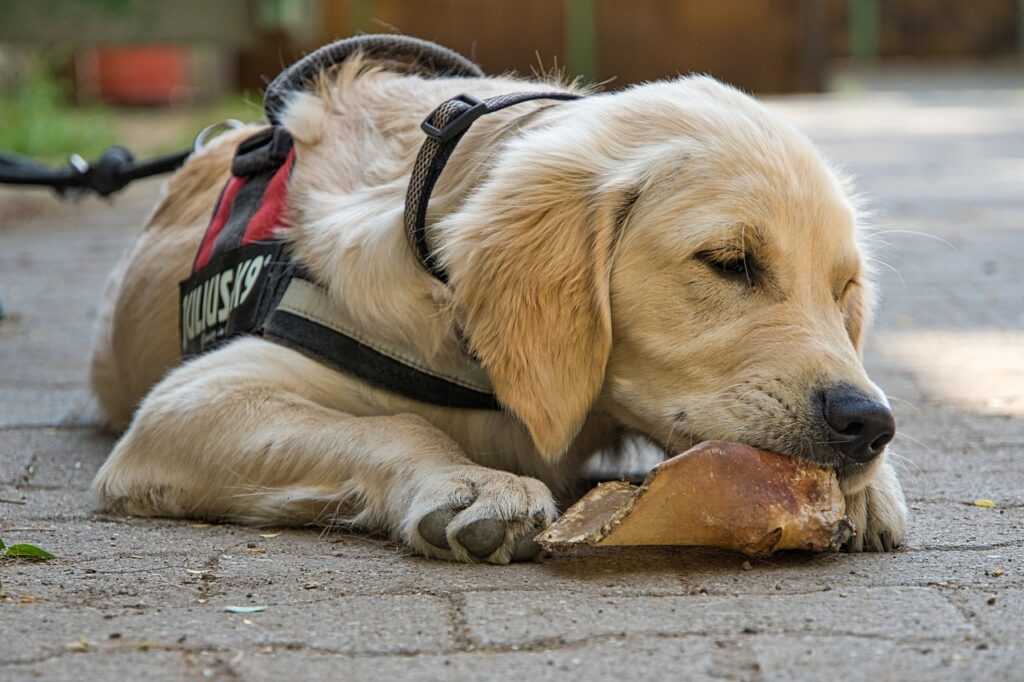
(227, 297)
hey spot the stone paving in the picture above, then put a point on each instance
(133, 599)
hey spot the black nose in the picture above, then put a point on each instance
(860, 427)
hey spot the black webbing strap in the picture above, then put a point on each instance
(444, 127)
(310, 329)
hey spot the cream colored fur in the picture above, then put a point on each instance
(570, 233)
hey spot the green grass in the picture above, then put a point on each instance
(39, 123)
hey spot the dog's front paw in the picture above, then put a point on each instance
(879, 513)
(477, 514)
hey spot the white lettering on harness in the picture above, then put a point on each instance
(210, 304)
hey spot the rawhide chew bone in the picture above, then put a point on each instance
(716, 494)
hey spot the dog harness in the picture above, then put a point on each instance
(244, 280)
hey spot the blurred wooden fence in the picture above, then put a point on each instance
(760, 45)
(925, 29)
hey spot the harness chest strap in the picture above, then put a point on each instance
(307, 320)
(244, 281)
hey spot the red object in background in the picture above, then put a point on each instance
(154, 74)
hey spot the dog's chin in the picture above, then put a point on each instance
(854, 479)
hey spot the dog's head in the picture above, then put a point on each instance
(676, 256)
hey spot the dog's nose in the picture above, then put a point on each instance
(860, 427)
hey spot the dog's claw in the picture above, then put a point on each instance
(481, 538)
(432, 527)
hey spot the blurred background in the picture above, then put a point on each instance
(78, 75)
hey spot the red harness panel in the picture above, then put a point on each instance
(261, 220)
(242, 263)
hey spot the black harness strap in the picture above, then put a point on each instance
(444, 127)
(325, 340)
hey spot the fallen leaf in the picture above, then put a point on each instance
(200, 525)
(984, 503)
(81, 646)
(28, 552)
(245, 609)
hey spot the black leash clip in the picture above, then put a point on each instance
(104, 177)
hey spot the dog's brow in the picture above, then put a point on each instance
(752, 236)
(745, 237)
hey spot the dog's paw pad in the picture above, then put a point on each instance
(527, 548)
(477, 514)
(483, 537)
(434, 525)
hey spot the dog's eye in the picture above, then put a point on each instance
(846, 289)
(729, 265)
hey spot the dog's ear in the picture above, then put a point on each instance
(530, 278)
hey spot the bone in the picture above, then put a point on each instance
(717, 494)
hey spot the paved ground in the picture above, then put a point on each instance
(945, 172)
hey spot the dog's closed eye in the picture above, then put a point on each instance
(850, 285)
(730, 264)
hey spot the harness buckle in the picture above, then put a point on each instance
(457, 125)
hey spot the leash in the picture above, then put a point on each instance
(116, 167)
(112, 172)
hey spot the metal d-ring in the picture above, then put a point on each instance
(211, 131)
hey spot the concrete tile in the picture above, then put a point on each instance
(108, 664)
(40, 504)
(23, 407)
(503, 618)
(873, 660)
(640, 658)
(953, 525)
(1003, 619)
(53, 458)
(381, 624)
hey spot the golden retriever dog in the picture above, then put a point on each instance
(671, 260)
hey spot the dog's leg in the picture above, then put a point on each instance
(240, 435)
(879, 513)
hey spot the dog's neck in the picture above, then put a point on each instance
(356, 244)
